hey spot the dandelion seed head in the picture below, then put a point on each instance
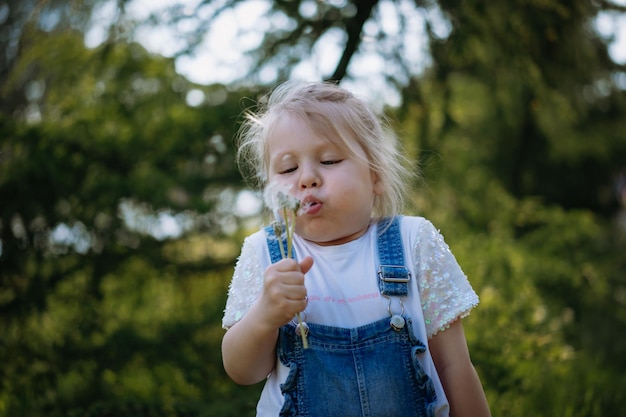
(277, 197)
(278, 228)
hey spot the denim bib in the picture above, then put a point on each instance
(367, 371)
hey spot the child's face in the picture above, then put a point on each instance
(337, 189)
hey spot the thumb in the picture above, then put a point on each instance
(306, 264)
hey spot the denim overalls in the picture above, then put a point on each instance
(367, 371)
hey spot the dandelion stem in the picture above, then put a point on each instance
(289, 231)
(290, 207)
(290, 226)
(305, 341)
(278, 232)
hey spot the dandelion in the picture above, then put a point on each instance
(284, 205)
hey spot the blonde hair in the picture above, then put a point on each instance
(337, 115)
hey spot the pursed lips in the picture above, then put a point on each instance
(310, 205)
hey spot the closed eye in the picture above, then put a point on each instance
(332, 162)
(288, 170)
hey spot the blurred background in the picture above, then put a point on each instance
(122, 211)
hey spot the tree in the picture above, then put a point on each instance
(516, 122)
(522, 114)
(99, 304)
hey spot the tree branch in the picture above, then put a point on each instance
(354, 27)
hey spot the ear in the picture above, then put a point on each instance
(378, 186)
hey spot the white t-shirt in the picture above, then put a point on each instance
(342, 290)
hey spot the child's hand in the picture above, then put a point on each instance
(284, 293)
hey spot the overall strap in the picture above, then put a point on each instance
(393, 275)
(274, 246)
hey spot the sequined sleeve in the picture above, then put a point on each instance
(245, 286)
(445, 291)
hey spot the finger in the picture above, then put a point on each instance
(286, 265)
(306, 264)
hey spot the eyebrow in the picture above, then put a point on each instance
(284, 157)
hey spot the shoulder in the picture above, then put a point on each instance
(415, 231)
(423, 239)
(257, 241)
(247, 278)
(415, 222)
(254, 248)
(418, 229)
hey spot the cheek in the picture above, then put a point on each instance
(279, 183)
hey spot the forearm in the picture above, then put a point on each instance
(464, 391)
(457, 374)
(249, 347)
(249, 350)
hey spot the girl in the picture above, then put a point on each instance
(381, 295)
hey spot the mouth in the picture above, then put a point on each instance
(310, 206)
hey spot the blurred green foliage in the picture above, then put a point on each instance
(100, 311)
(521, 135)
(104, 311)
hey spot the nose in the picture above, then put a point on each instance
(309, 177)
